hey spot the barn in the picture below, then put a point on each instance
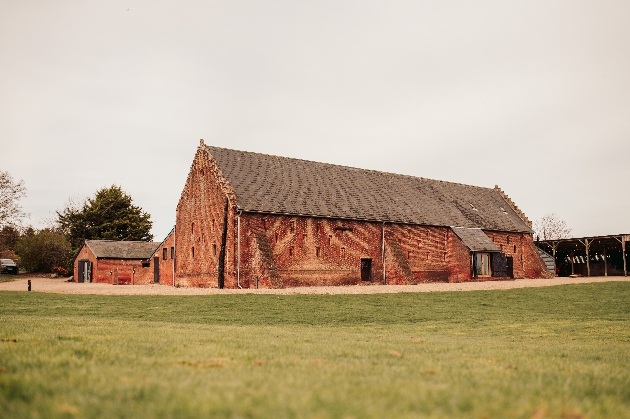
(115, 262)
(247, 220)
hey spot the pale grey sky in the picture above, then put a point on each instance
(533, 96)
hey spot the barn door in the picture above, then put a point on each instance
(499, 264)
(156, 270)
(81, 267)
(88, 271)
(366, 269)
(509, 266)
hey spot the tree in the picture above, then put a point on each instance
(44, 251)
(551, 227)
(11, 192)
(109, 215)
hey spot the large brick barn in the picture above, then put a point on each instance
(248, 219)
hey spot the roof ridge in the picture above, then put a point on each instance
(346, 167)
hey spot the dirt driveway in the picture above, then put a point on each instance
(60, 286)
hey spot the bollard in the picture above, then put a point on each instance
(29, 284)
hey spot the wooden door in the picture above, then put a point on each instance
(509, 266)
(156, 270)
(366, 269)
(81, 273)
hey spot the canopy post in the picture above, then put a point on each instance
(623, 253)
(605, 263)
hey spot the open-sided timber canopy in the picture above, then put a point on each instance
(591, 247)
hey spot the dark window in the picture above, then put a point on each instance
(193, 252)
(172, 252)
(164, 254)
(214, 249)
(514, 248)
(146, 263)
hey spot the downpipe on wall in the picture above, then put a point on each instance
(238, 249)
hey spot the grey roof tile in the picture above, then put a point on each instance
(475, 239)
(282, 185)
(112, 249)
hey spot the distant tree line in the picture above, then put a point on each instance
(108, 215)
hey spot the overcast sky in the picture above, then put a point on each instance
(532, 96)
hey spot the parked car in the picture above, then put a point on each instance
(8, 266)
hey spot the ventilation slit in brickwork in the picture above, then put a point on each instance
(317, 252)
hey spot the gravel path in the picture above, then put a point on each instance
(60, 286)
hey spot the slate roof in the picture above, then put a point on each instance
(282, 185)
(475, 239)
(112, 249)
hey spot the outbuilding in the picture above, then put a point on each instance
(115, 262)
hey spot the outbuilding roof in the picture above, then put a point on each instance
(475, 239)
(112, 249)
(282, 185)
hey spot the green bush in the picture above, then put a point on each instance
(43, 251)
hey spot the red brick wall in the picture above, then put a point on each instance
(85, 253)
(165, 264)
(527, 261)
(306, 251)
(200, 223)
(130, 272)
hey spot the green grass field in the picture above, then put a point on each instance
(555, 352)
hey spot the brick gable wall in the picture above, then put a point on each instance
(200, 226)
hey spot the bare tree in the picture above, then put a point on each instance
(11, 192)
(551, 227)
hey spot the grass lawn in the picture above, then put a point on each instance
(554, 352)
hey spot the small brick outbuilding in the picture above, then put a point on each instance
(115, 262)
(255, 220)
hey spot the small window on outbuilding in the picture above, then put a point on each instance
(172, 252)
(164, 253)
(146, 263)
(514, 248)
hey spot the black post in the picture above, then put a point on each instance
(29, 284)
